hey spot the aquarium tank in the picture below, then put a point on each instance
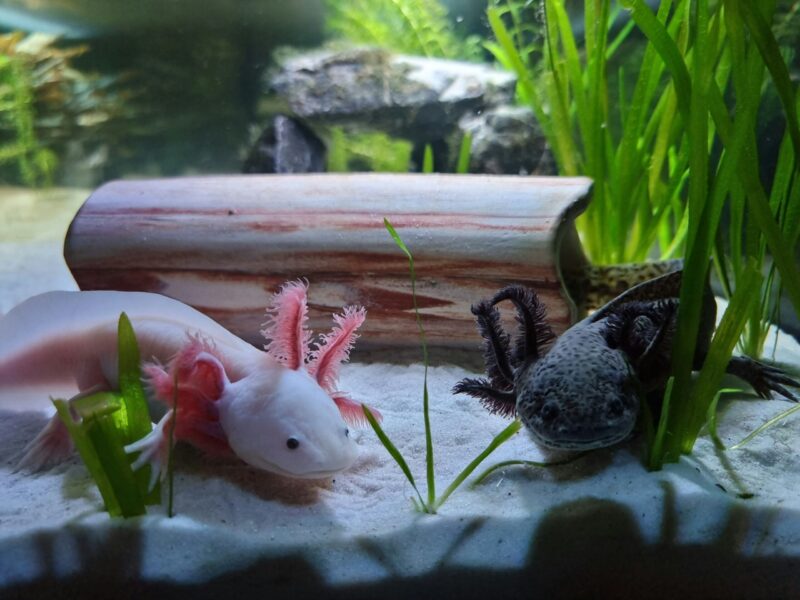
(661, 143)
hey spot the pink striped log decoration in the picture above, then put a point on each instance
(224, 244)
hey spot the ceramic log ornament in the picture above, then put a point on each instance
(221, 243)
(278, 410)
(584, 392)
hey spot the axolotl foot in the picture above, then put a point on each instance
(52, 446)
(763, 378)
(154, 450)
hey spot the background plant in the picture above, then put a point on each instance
(19, 144)
(46, 105)
(669, 155)
(416, 27)
(373, 151)
(419, 27)
(624, 136)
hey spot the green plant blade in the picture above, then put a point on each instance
(464, 151)
(498, 440)
(99, 444)
(393, 451)
(171, 449)
(133, 419)
(719, 353)
(88, 455)
(771, 54)
(656, 454)
(658, 35)
(105, 438)
(524, 463)
(764, 426)
(711, 417)
(427, 159)
(429, 463)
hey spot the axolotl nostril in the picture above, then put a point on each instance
(584, 390)
(277, 409)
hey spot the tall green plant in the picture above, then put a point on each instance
(432, 502)
(731, 177)
(639, 166)
(684, 153)
(20, 146)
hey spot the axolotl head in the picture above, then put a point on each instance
(581, 395)
(282, 421)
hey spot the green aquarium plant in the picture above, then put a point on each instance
(19, 144)
(46, 104)
(431, 502)
(419, 27)
(624, 136)
(106, 423)
(625, 131)
(671, 150)
(717, 181)
(367, 151)
(378, 152)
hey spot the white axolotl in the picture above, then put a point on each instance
(278, 409)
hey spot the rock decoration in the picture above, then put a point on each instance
(427, 101)
(507, 140)
(416, 98)
(287, 146)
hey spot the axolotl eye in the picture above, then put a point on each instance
(292, 443)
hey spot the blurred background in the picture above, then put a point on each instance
(110, 89)
(94, 90)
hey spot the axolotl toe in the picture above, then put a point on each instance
(277, 409)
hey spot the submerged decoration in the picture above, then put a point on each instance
(585, 392)
(278, 410)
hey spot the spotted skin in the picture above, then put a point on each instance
(594, 285)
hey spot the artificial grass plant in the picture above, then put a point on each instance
(635, 155)
(728, 178)
(431, 503)
(107, 421)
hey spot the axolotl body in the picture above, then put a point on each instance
(277, 409)
(584, 390)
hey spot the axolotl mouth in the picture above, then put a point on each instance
(580, 425)
(593, 438)
(310, 475)
(265, 465)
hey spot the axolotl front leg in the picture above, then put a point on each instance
(191, 388)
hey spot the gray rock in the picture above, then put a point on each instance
(286, 146)
(507, 140)
(419, 99)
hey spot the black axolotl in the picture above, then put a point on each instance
(586, 391)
